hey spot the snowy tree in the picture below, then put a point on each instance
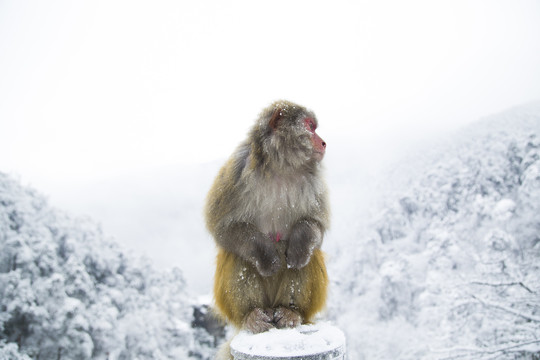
(449, 268)
(69, 292)
(10, 351)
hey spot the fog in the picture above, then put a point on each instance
(123, 110)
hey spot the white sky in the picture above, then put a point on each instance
(89, 89)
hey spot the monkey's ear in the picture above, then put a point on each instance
(274, 119)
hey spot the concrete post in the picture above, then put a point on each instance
(307, 342)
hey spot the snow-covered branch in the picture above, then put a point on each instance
(479, 353)
(521, 284)
(506, 309)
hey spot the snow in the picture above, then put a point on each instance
(284, 343)
(504, 209)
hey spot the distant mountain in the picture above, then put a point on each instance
(157, 212)
(69, 292)
(450, 266)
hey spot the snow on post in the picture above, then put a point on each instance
(307, 342)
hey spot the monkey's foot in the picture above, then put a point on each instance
(259, 320)
(286, 318)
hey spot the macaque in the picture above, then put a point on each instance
(268, 211)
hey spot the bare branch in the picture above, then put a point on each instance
(482, 352)
(507, 309)
(504, 284)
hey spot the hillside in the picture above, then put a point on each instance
(69, 292)
(449, 268)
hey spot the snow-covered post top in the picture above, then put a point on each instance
(307, 342)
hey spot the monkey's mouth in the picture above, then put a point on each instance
(318, 155)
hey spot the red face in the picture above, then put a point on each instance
(319, 146)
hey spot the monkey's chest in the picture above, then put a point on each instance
(276, 207)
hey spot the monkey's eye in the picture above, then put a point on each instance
(310, 125)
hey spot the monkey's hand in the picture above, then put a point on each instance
(265, 257)
(246, 241)
(286, 318)
(305, 237)
(259, 320)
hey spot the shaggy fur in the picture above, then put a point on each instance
(268, 211)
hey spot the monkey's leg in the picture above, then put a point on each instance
(303, 291)
(239, 293)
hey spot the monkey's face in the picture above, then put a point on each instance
(296, 140)
(318, 144)
(288, 136)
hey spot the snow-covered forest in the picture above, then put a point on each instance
(67, 291)
(444, 265)
(449, 267)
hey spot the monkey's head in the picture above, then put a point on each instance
(287, 136)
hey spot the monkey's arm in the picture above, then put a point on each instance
(246, 241)
(306, 236)
(231, 231)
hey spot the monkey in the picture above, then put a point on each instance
(268, 211)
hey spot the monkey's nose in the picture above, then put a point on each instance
(324, 144)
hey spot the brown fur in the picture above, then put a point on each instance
(303, 290)
(270, 187)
